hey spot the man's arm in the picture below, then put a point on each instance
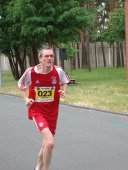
(28, 101)
(23, 84)
(63, 90)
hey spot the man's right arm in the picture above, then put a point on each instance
(23, 83)
(28, 101)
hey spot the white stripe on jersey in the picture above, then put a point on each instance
(25, 81)
(62, 75)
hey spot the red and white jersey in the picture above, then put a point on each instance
(43, 89)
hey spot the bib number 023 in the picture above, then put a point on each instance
(44, 94)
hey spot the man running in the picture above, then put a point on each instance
(46, 84)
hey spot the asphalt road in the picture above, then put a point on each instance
(85, 139)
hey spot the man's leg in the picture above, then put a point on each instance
(40, 159)
(45, 153)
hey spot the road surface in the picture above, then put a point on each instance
(85, 139)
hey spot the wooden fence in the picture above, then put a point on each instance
(96, 57)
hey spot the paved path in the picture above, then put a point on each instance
(85, 139)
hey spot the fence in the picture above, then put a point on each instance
(96, 56)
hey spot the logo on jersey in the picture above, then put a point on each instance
(37, 82)
(41, 124)
(54, 80)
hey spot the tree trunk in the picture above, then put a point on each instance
(118, 55)
(73, 60)
(84, 53)
(50, 39)
(112, 4)
(122, 55)
(126, 35)
(104, 59)
(14, 67)
(19, 61)
(113, 55)
(95, 53)
(62, 64)
(54, 49)
(34, 53)
(24, 57)
(84, 58)
(78, 55)
(73, 63)
(88, 50)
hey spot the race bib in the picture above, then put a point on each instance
(44, 94)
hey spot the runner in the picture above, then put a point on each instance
(46, 84)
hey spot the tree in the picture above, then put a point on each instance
(9, 41)
(126, 35)
(85, 34)
(111, 27)
(32, 24)
(101, 23)
(116, 32)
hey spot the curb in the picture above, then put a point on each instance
(95, 109)
(81, 107)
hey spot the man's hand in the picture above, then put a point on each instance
(62, 93)
(29, 102)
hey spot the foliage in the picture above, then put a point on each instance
(70, 51)
(50, 22)
(116, 27)
(26, 25)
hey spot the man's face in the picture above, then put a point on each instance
(47, 58)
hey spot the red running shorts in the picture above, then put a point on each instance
(42, 123)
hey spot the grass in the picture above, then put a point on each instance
(102, 88)
(9, 85)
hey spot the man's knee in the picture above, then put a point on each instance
(50, 144)
(48, 139)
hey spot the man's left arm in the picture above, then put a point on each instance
(64, 80)
(63, 90)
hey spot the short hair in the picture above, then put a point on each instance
(42, 50)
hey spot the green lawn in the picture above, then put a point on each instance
(102, 88)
